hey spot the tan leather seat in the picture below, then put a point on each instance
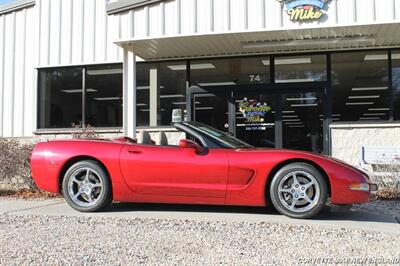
(162, 139)
(144, 137)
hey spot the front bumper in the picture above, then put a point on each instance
(370, 188)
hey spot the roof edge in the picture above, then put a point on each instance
(20, 4)
(118, 6)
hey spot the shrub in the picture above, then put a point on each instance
(14, 164)
(389, 184)
(84, 132)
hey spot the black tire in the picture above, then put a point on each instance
(282, 201)
(104, 194)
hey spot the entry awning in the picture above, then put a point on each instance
(268, 42)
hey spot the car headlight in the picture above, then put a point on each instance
(359, 186)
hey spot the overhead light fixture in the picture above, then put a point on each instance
(335, 119)
(302, 99)
(376, 57)
(378, 109)
(291, 120)
(370, 89)
(304, 105)
(192, 67)
(182, 103)
(288, 112)
(370, 118)
(336, 115)
(374, 114)
(227, 83)
(78, 90)
(146, 87)
(107, 98)
(141, 104)
(204, 108)
(110, 71)
(360, 103)
(266, 62)
(205, 95)
(395, 56)
(299, 126)
(293, 123)
(144, 110)
(365, 97)
(172, 96)
(309, 42)
(289, 116)
(293, 61)
(288, 61)
(294, 80)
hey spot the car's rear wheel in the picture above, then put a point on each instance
(86, 186)
(298, 190)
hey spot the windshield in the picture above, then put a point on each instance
(227, 140)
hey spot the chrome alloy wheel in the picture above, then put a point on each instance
(85, 187)
(299, 191)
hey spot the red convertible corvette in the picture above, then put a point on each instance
(208, 167)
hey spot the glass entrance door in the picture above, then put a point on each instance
(212, 109)
(255, 117)
(279, 119)
(302, 121)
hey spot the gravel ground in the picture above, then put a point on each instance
(44, 240)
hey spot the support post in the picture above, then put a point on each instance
(154, 97)
(129, 93)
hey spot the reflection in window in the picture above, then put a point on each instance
(60, 98)
(228, 72)
(396, 83)
(360, 86)
(307, 68)
(161, 89)
(104, 96)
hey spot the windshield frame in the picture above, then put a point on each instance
(224, 139)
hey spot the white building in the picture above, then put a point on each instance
(328, 81)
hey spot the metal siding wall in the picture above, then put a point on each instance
(16, 72)
(365, 11)
(2, 66)
(29, 85)
(50, 33)
(9, 72)
(188, 17)
(78, 32)
(204, 15)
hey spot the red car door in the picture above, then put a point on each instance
(169, 170)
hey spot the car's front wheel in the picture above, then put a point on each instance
(298, 190)
(86, 186)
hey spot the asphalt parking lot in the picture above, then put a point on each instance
(337, 219)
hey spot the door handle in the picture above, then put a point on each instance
(135, 151)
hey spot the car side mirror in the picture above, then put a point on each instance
(185, 143)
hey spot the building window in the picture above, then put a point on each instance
(307, 68)
(230, 72)
(60, 97)
(104, 96)
(61, 93)
(396, 83)
(360, 82)
(161, 89)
